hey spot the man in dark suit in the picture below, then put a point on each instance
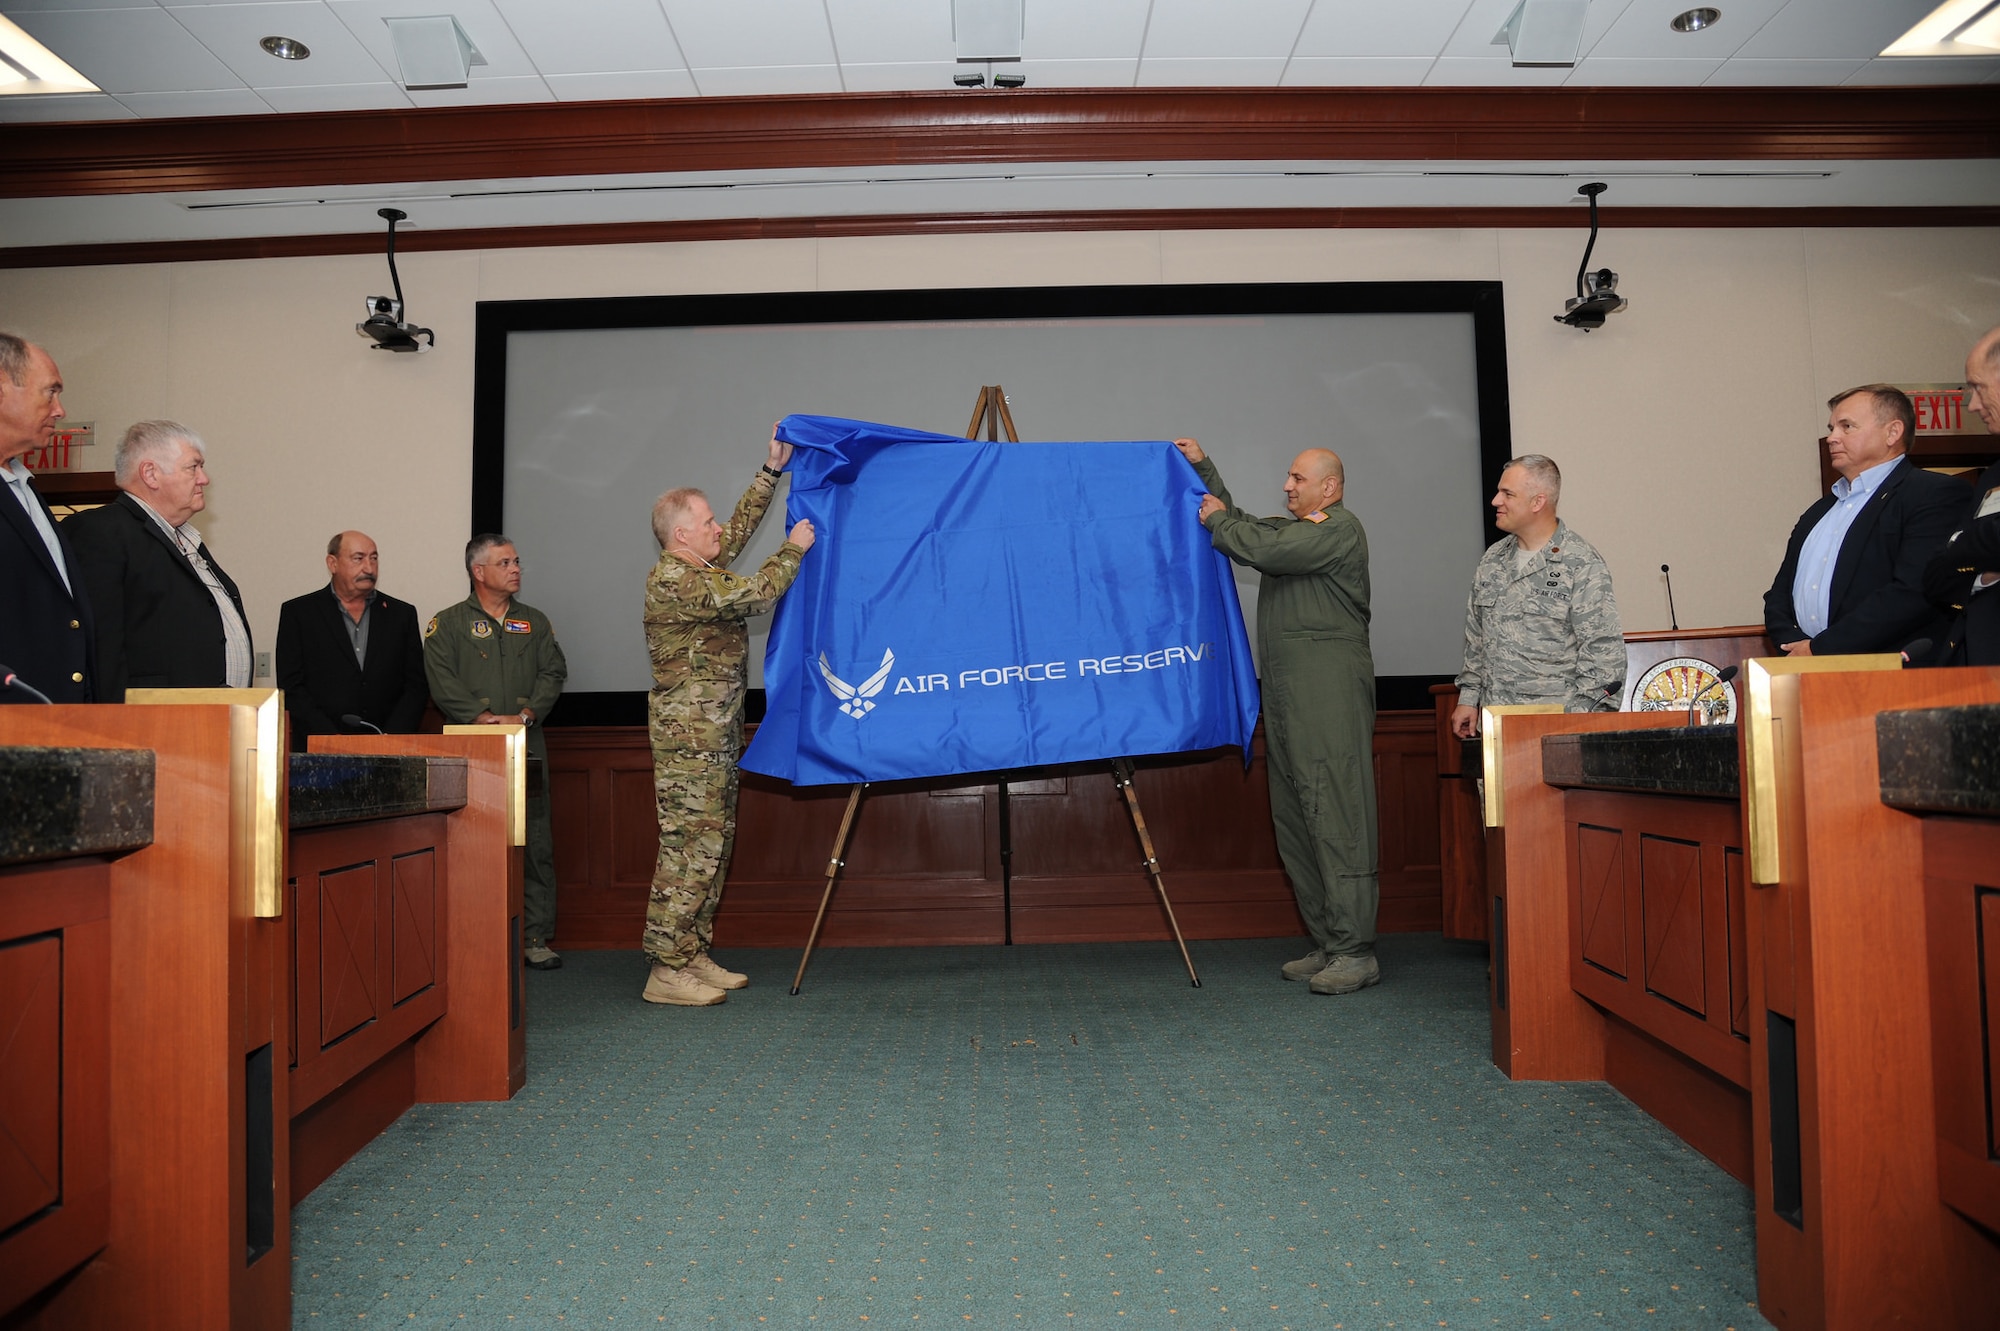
(167, 615)
(1853, 576)
(45, 623)
(1964, 578)
(349, 650)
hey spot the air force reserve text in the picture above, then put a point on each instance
(1163, 658)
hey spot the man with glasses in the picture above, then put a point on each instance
(167, 615)
(492, 659)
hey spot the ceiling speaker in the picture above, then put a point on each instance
(1544, 32)
(432, 52)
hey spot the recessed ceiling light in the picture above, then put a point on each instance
(1694, 20)
(286, 48)
(27, 68)
(1954, 28)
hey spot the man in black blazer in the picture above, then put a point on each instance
(1853, 576)
(45, 623)
(1964, 578)
(349, 650)
(167, 615)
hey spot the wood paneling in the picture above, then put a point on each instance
(55, 1047)
(1962, 923)
(1670, 886)
(1707, 1111)
(1050, 125)
(329, 1133)
(1600, 891)
(923, 864)
(477, 1050)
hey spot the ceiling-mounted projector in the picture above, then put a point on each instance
(385, 323)
(1596, 293)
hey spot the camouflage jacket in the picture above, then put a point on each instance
(697, 630)
(1547, 632)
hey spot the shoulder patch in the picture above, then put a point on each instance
(482, 629)
(1315, 517)
(431, 627)
(517, 626)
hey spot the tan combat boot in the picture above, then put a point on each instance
(710, 972)
(680, 988)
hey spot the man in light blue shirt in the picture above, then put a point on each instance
(1852, 579)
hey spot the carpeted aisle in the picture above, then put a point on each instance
(1028, 1137)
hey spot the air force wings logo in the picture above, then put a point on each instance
(854, 698)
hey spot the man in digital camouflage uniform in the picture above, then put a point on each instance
(699, 640)
(1541, 624)
(492, 659)
(1318, 686)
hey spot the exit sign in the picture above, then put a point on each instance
(64, 451)
(1941, 410)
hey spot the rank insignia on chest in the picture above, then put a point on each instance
(481, 629)
(517, 626)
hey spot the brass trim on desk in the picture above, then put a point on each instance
(257, 769)
(517, 772)
(1770, 738)
(1489, 751)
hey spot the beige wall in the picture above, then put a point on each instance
(1685, 428)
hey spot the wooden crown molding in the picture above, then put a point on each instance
(877, 129)
(900, 224)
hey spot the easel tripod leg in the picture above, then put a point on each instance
(833, 866)
(1121, 772)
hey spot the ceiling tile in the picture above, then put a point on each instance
(1915, 71)
(485, 91)
(600, 37)
(1830, 29)
(1453, 71)
(744, 34)
(1105, 30)
(923, 76)
(1641, 32)
(18, 7)
(232, 32)
(1360, 72)
(1189, 29)
(767, 80)
(1484, 19)
(1222, 73)
(129, 50)
(888, 32)
(1606, 72)
(1081, 73)
(62, 106)
(482, 23)
(338, 97)
(175, 105)
(1749, 72)
(629, 85)
(1370, 28)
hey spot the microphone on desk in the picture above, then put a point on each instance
(1672, 619)
(10, 680)
(350, 719)
(1910, 653)
(1722, 676)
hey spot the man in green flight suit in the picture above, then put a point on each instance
(1319, 704)
(698, 636)
(492, 659)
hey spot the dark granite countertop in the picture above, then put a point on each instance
(1941, 759)
(353, 787)
(1697, 760)
(63, 802)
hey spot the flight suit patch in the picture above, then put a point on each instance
(481, 629)
(431, 627)
(517, 626)
(1315, 517)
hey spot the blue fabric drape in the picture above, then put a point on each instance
(973, 606)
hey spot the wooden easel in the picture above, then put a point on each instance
(992, 410)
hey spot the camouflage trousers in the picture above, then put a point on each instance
(695, 794)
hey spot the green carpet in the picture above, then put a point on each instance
(1028, 1137)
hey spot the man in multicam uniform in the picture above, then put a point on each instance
(699, 640)
(1541, 624)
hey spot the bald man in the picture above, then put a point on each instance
(1963, 578)
(1319, 704)
(349, 651)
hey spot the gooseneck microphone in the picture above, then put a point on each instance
(350, 719)
(1673, 619)
(1722, 677)
(1921, 647)
(10, 680)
